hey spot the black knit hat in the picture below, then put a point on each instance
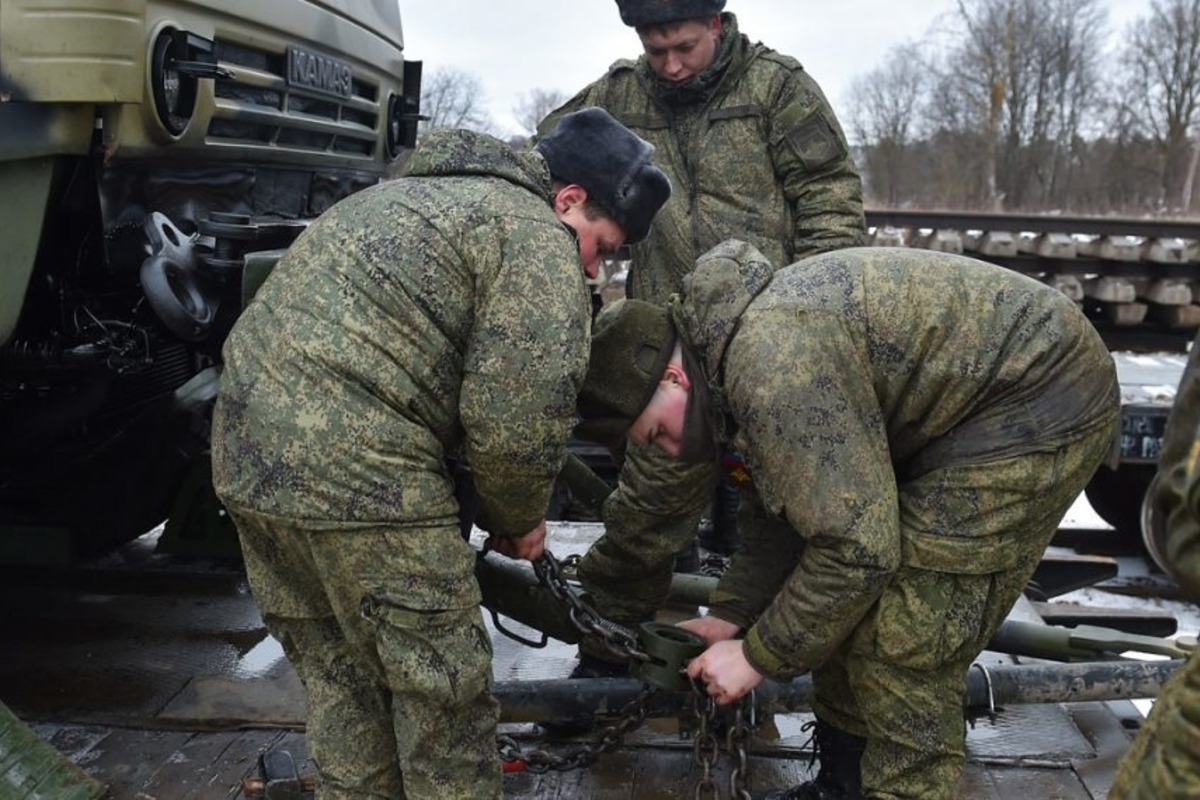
(640, 13)
(589, 147)
(632, 343)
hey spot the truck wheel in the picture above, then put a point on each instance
(1154, 529)
(1116, 494)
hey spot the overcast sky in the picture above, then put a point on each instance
(513, 46)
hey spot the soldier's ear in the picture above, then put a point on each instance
(676, 374)
(568, 197)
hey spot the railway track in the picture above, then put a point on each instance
(1138, 280)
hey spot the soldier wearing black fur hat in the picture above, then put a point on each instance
(438, 316)
(756, 153)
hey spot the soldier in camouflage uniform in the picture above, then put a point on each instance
(441, 315)
(755, 152)
(1164, 761)
(915, 424)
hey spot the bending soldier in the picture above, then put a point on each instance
(756, 153)
(1164, 761)
(440, 315)
(915, 424)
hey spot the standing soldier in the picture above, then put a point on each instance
(1164, 761)
(441, 315)
(755, 152)
(916, 424)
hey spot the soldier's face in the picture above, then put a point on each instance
(599, 237)
(661, 423)
(679, 50)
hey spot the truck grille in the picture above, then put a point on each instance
(256, 106)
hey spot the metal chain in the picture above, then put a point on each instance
(745, 722)
(538, 761)
(706, 750)
(617, 639)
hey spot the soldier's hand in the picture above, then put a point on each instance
(528, 546)
(726, 673)
(711, 629)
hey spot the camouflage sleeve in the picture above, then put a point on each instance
(523, 368)
(1176, 489)
(812, 160)
(753, 579)
(816, 444)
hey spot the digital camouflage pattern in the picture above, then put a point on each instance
(398, 685)
(915, 424)
(442, 314)
(758, 155)
(754, 151)
(1164, 761)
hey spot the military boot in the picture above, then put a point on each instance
(840, 776)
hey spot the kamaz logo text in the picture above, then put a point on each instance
(319, 73)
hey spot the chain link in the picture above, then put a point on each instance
(538, 761)
(745, 722)
(705, 748)
(741, 722)
(617, 639)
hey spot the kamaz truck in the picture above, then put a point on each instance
(155, 157)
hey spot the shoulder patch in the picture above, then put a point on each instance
(815, 141)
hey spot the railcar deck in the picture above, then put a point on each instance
(156, 678)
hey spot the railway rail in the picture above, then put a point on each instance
(1138, 280)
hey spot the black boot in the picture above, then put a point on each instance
(840, 776)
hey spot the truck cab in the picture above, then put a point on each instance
(155, 157)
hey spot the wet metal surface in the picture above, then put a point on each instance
(157, 677)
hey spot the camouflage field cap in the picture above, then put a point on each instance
(589, 147)
(632, 343)
(640, 13)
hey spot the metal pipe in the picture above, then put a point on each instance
(540, 701)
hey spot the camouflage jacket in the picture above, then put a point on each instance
(848, 372)
(440, 314)
(1176, 489)
(760, 157)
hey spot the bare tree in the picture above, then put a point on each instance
(534, 105)
(1163, 61)
(884, 120)
(1024, 70)
(452, 98)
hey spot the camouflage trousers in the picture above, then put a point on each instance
(972, 537)
(649, 520)
(382, 625)
(1164, 761)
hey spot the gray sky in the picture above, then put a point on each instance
(513, 46)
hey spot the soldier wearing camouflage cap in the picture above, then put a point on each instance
(1164, 761)
(439, 316)
(915, 424)
(757, 153)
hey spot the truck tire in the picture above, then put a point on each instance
(1117, 494)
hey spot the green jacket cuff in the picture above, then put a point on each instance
(739, 618)
(763, 659)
